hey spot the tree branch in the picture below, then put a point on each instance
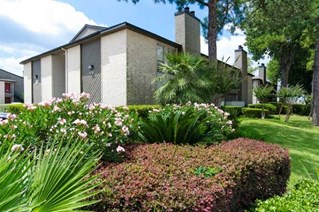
(202, 2)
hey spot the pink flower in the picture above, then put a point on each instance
(2, 122)
(61, 121)
(229, 122)
(56, 108)
(96, 129)
(80, 122)
(82, 134)
(120, 149)
(11, 116)
(125, 130)
(17, 147)
(84, 95)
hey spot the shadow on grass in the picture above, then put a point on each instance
(297, 135)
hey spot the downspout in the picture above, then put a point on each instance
(66, 69)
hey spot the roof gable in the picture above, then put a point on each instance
(86, 31)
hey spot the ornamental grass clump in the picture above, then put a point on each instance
(104, 126)
(166, 177)
(186, 124)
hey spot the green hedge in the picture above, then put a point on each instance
(166, 177)
(234, 111)
(142, 110)
(278, 105)
(253, 112)
(15, 108)
(301, 109)
(270, 107)
(303, 197)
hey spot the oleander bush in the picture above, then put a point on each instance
(167, 177)
(254, 112)
(142, 110)
(301, 109)
(104, 126)
(186, 124)
(303, 197)
(271, 108)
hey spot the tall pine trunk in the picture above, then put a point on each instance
(212, 30)
(315, 85)
(286, 60)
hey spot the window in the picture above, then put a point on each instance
(7, 100)
(160, 53)
(7, 87)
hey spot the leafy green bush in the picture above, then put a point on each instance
(56, 178)
(253, 112)
(15, 108)
(186, 124)
(303, 197)
(278, 106)
(142, 110)
(104, 126)
(301, 109)
(270, 107)
(166, 177)
(234, 111)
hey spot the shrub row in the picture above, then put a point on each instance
(15, 108)
(234, 111)
(141, 110)
(303, 197)
(165, 177)
(254, 112)
(301, 109)
(271, 108)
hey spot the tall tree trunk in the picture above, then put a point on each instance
(212, 30)
(315, 85)
(286, 60)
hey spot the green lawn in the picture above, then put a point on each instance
(298, 135)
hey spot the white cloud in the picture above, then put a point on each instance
(11, 64)
(44, 16)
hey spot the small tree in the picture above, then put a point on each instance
(289, 96)
(226, 79)
(263, 93)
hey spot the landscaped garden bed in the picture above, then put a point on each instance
(166, 177)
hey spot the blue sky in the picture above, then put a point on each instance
(30, 27)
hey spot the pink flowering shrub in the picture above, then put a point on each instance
(163, 177)
(190, 123)
(105, 126)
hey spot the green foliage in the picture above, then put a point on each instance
(11, 108)
(298, 135)
(142, 110)
(104, 126)
(184, 78)
(301, 109)
(57, 178)
(207, 171)
(187, 124)
(273, 71)
(254, 112)
(268, 106)
(303, 197)
(160, 177)
(234, 111)
(263, 93)
(280, 108)
(289, 96)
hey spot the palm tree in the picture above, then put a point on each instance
(184, 78)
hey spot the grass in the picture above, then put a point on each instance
(298, 135)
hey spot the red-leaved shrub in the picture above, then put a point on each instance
(161, 177)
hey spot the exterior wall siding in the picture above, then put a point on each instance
(2, 92)
(58, 75)
(27, 82)
(114, 68)
(36, 81)
(73, 70)
(91, 78)
(142, 67)
(46, 69)
(18, 88)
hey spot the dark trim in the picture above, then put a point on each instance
(99, 28)
(250, 74)
(11, 73)
(107, 31)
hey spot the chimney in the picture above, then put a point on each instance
(241, 63)
(187, 31)
(262, 73)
